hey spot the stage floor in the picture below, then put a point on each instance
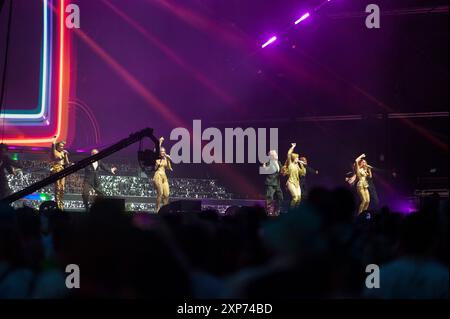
(74, 203)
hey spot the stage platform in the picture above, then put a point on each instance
(74, 203)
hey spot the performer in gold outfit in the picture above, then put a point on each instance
(363, 172)
(294, 170)
(160, 178)
(60, 159)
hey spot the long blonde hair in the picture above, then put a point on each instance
(284, 169)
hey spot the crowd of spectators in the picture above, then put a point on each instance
(319, 250)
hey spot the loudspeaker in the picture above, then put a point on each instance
(183, 206)
(109, 203)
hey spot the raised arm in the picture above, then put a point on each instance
(54, 152)
(360, 157)
(290, 151)
(167, 156)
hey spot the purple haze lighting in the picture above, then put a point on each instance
(303, 17)
(403, 206)
(270, 41)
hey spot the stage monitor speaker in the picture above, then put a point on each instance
(107, 203)
(183, 206)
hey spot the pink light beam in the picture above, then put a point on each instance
(270, 41)
(303, 17)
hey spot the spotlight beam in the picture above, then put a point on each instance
(303, 17)
(269, 42)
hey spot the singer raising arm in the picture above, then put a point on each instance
(160, 180)
(294, 171)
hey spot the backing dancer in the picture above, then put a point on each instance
(374, 200)
(7, 166)
(59, 160)
(92, 180)
(273, 189)
(294, 170)
(308, 170)
(160, 180)
(362, 172)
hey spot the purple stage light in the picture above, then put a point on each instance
(403, 206)
(321, 5)
(270, 41)
(303, 17)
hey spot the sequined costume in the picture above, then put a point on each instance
(362, 185)
(294, 170)
(60, 160)
(161, 182)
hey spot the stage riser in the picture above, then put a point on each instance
(74, 203)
